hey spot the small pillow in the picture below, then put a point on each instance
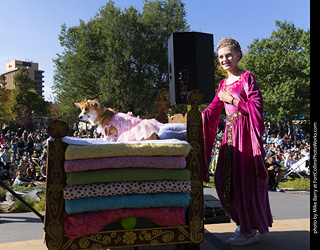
(173, 131)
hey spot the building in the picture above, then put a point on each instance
(34, 74)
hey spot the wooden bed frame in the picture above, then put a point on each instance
(192, 232)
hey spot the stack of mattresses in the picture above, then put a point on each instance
(109, 181)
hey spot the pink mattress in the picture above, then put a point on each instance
(81, 224)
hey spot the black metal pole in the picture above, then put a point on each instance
(22, 200)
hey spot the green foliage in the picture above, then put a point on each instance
(3, 193)
(36, 103)
(18, 105)
(118, 57)
(41, 204)
(6, 103)
(210, 184)
(281, 64)
(296, 184)
(25, 118)
(22, 84)
(19, 207)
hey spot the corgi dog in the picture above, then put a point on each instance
(116, 126)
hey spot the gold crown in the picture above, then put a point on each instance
(84, 101)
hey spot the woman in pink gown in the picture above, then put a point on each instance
(240, 177)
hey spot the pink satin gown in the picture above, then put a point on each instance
(240, 177)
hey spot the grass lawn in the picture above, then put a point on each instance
(210, 183)
(19, 207)
(295, 184)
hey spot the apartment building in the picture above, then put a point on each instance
(34, 74)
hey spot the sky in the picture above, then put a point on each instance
(29, 30)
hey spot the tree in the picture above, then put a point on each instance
(22, 84)
(281, 64)
(25, 118)
(119, 57)
(6, 103)
(36, 103)
(13, 102)
(55, 111)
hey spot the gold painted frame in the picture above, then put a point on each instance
(192, 232)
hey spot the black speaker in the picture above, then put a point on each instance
(191, 66)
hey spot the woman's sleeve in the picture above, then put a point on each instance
(210, 119)
(253, 106)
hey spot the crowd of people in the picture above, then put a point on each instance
(23, 154)
(283, 149)
(23, 157)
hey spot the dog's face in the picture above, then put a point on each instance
(89, 110)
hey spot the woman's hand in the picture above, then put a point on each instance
(225, 96)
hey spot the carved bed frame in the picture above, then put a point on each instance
(192, 232)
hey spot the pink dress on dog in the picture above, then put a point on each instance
(131, 128)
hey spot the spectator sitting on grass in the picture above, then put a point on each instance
(305, 152)
(25, 154)
(14, 146)
(43, 173)
(38, 146)
(43, 157)
(23, 165)
(278, 140)
(29, 146)
(31, 170)
(272, 148)
(295, 149)
(296, 156)
(17, 159)
(275, 171)
(13, 167)
(279, 156)
(20, 147)
(5, 158)
(286, 154)
(36, 158)
(20, 181)
(289, 162)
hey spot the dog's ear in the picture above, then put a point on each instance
(78, 104)
(95, 103)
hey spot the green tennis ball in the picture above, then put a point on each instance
(128, 222)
